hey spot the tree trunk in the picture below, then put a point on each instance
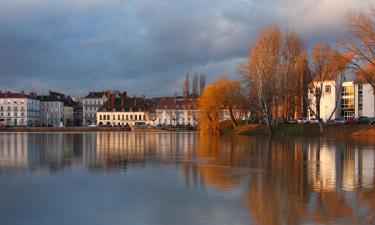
(233, 120)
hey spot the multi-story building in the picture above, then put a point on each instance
(176, 111)
(120, 110)
(90, 105)
(19, 109)
(68, 115)
(52, 110)
(354, 98)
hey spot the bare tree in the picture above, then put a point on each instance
(151, 115)
(186, 86)
(261, 74)
(194, 86)
(174, 115)
(361, 28)
(202, 83)
(328, 67)
(288, 85)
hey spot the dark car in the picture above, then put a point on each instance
(337, 121)
(292, 121)
(278, 121)
(364, 120)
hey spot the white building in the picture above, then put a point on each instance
(91, 104)
(176, 111)
(52, 110)
(120, 110)
(19, 109)
(355, 99)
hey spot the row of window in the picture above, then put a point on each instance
(9, 114)
(9, 108)
(89, 102)
(122, 117)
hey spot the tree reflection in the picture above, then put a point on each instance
(292, 181)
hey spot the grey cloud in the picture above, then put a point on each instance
(144, 46)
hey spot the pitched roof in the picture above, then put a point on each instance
(124, 104)
(13, 95)
(94, 94)
(49, 98)
(175, 103)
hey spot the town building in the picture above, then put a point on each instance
(68, 115)
(19, 109)
(91, 104)
(175, 111)
(354, 98)
(120, 110)
(52, 110)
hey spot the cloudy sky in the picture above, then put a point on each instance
(145, 46)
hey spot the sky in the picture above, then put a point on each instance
(145, 46)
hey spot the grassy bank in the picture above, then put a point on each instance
(334, 131)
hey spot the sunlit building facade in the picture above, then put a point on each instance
(19, 109)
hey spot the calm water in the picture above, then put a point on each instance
(155, 178)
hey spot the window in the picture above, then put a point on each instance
(327, 88)
(114, 117)
(360, 99)
(135, 117)
(127, 117)
(347, 103)
(122, 117)
(347, 90)
(131, 117)
(118, 117)
(100, 117)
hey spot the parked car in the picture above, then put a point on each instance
(302, 120)
(363, 120)
(292, 121)
(337, 121)
(278, 121)
(313, 121)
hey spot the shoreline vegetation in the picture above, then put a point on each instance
(307, 130)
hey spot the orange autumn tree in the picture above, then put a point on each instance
(223, 95)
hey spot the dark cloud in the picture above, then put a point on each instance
(144, 46)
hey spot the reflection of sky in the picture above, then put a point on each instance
(180, 178)
(153, 195)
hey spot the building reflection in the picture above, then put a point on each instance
(293, 181)
(280, 181)
(31, 151)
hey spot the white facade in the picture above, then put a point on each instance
(120, 119)
(90, 106)
(52, 113)
(17, 109)
(176, 117)
(354, 100)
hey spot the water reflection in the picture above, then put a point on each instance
(277, 181)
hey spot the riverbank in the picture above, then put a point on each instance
(332, 131)
(86, 129)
